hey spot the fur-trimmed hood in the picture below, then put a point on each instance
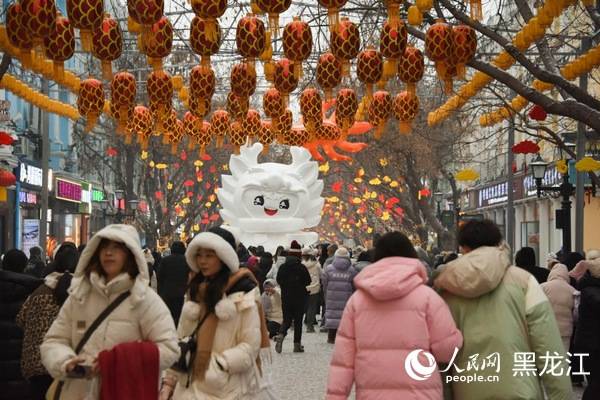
(126, 234)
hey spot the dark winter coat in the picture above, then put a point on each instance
(587, 334)
(338, 287)
(14, 290)
(293, 278)
(540, 274)
(172, 278)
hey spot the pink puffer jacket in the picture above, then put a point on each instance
(391, 314)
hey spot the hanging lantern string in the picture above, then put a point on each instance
(532, 31)
(570, 71)
(20, 89)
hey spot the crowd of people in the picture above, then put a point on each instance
(111, 320)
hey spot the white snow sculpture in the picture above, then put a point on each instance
(270, 204)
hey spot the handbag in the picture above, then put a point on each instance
(55, 389)
(187, 348)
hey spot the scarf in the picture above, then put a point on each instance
(206, 332)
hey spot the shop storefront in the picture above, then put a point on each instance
(29, 196)
(71, 206)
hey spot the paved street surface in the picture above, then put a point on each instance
(303, 376)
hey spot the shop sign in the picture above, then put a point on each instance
(30, 175)
(27, 197)
(551, 178)
(31, 234)
(97, 195)
(498, 193)
(67, 190)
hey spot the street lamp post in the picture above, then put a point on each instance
(119, 215)
(566, 190)
(438, 197)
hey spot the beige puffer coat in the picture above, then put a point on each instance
(142, 316)
(561, 295)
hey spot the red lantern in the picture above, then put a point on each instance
(6, 139)
(369, 69)
(379, 111)
(144, 12)
(219, 126)
(121, 114)
(17, 33)
(345, 43)
(85, 15)
(406, 108)
(251, 124)
(282, 127)
(439, 47)
(107, 42)
(237, 136)
(90, 102)
(538, 113)
(250, 37)
(465, 46)
(284, 79)
(157, 42)
(140, 125)
(209, 11)
(411, 68)
(205, 38)
(39, 19)
(329, 73)
(265, 136)
(297, 43)
(311, 109)
(237, 106)
(243, 80)
(160, 92)
(273, 8)
(273, 103)
(123, 90)
(202, 88)
(392, 44)
(345, 110)
(332, 6)
(7, 178)
(60, 44)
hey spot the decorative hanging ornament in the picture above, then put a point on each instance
(273, 104)
(140, 125)
(250, 37)
(160, 93)
(345, 43)
(145, 13)
(196, 132)
(281, 127)
(273, 8)
(476, 9)
(406, 108)
(251, 124)
(39, 16)
(121, 114)
(209, 11)
(17, 33)
(284, 79)
(237, 136)
(311, 107)
(329, 74)
(202, 88)
(392, 43)
(411, 68)
(107, 44)
(205, 38)
(170, 125)
(538, 113)
(345, 110)
(7, 178)
(59, 45)
(90, 102)
(369, 69)
(333, 7)
(465, 46)
(236, 106)
(243, 80)
(123, 90)
(439, 47)
(415, 17)
(379, 111)
(157, 42)
(297, 43)
(219, 126)
(265, 136)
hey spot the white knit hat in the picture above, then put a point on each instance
(342, 252)
(218, 239)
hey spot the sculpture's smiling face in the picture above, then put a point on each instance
(264, 204)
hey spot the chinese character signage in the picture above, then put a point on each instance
(97, 195)
(27, 197)
(30, 175)
(67, 190)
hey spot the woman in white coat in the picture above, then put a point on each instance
(112, 263)
(224, 297)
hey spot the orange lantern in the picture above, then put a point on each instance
(369, 69)
(176, 136)
(243, 80)
(39, 16)
(284, 79)
(140, 125)
(209, 11)
(329, 73)
(121, 114)
(296, 136)
(406, 108)
(333, 7)
(85, 15)
(170, 125)
(7, 178)
(265, 136)
(157, 42)
(273, 104)
(465, 46)
(439, 47)
(237, 136)
(379, 111)
(107, 44)
(345, 110)
(282, 126)
(345, 43)
(273, 8)
(123, 89)
(16, 32)
(202, 88)
(219, 126)
(392, 43)
(204, 41)
(250, 37)
(60, 44)
(160, 92)
(236, 106)
(251, 124)
(411, 68)
(90, 102)
(328, 132)
(199, 107)
(297, 43)
(144, 12)
(192, 127)
(311, 109)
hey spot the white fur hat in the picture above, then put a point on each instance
(218, 239)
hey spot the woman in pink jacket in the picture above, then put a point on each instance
(393, 331)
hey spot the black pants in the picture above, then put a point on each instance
(293, 312)
(273, 328)
(591, 364)
(312, 306)
(39, 385)
(331, 335)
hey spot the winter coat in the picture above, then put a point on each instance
(370, 350)
(314, 270)
(142, 316)
(360, 265)
(35, 268)
(337, 285)
(541, 274)
(501, 309)
(35, 317)
(562, 298)
(587, 334)
(172, 279)
(272, 274)
(272, 306)
(293, 278)
(236, 345)
(14, 290)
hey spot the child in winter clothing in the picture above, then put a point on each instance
(309, 259)
(370, 351)
(271, 302)
(223, 308)
(562, 299)
(112, 264)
